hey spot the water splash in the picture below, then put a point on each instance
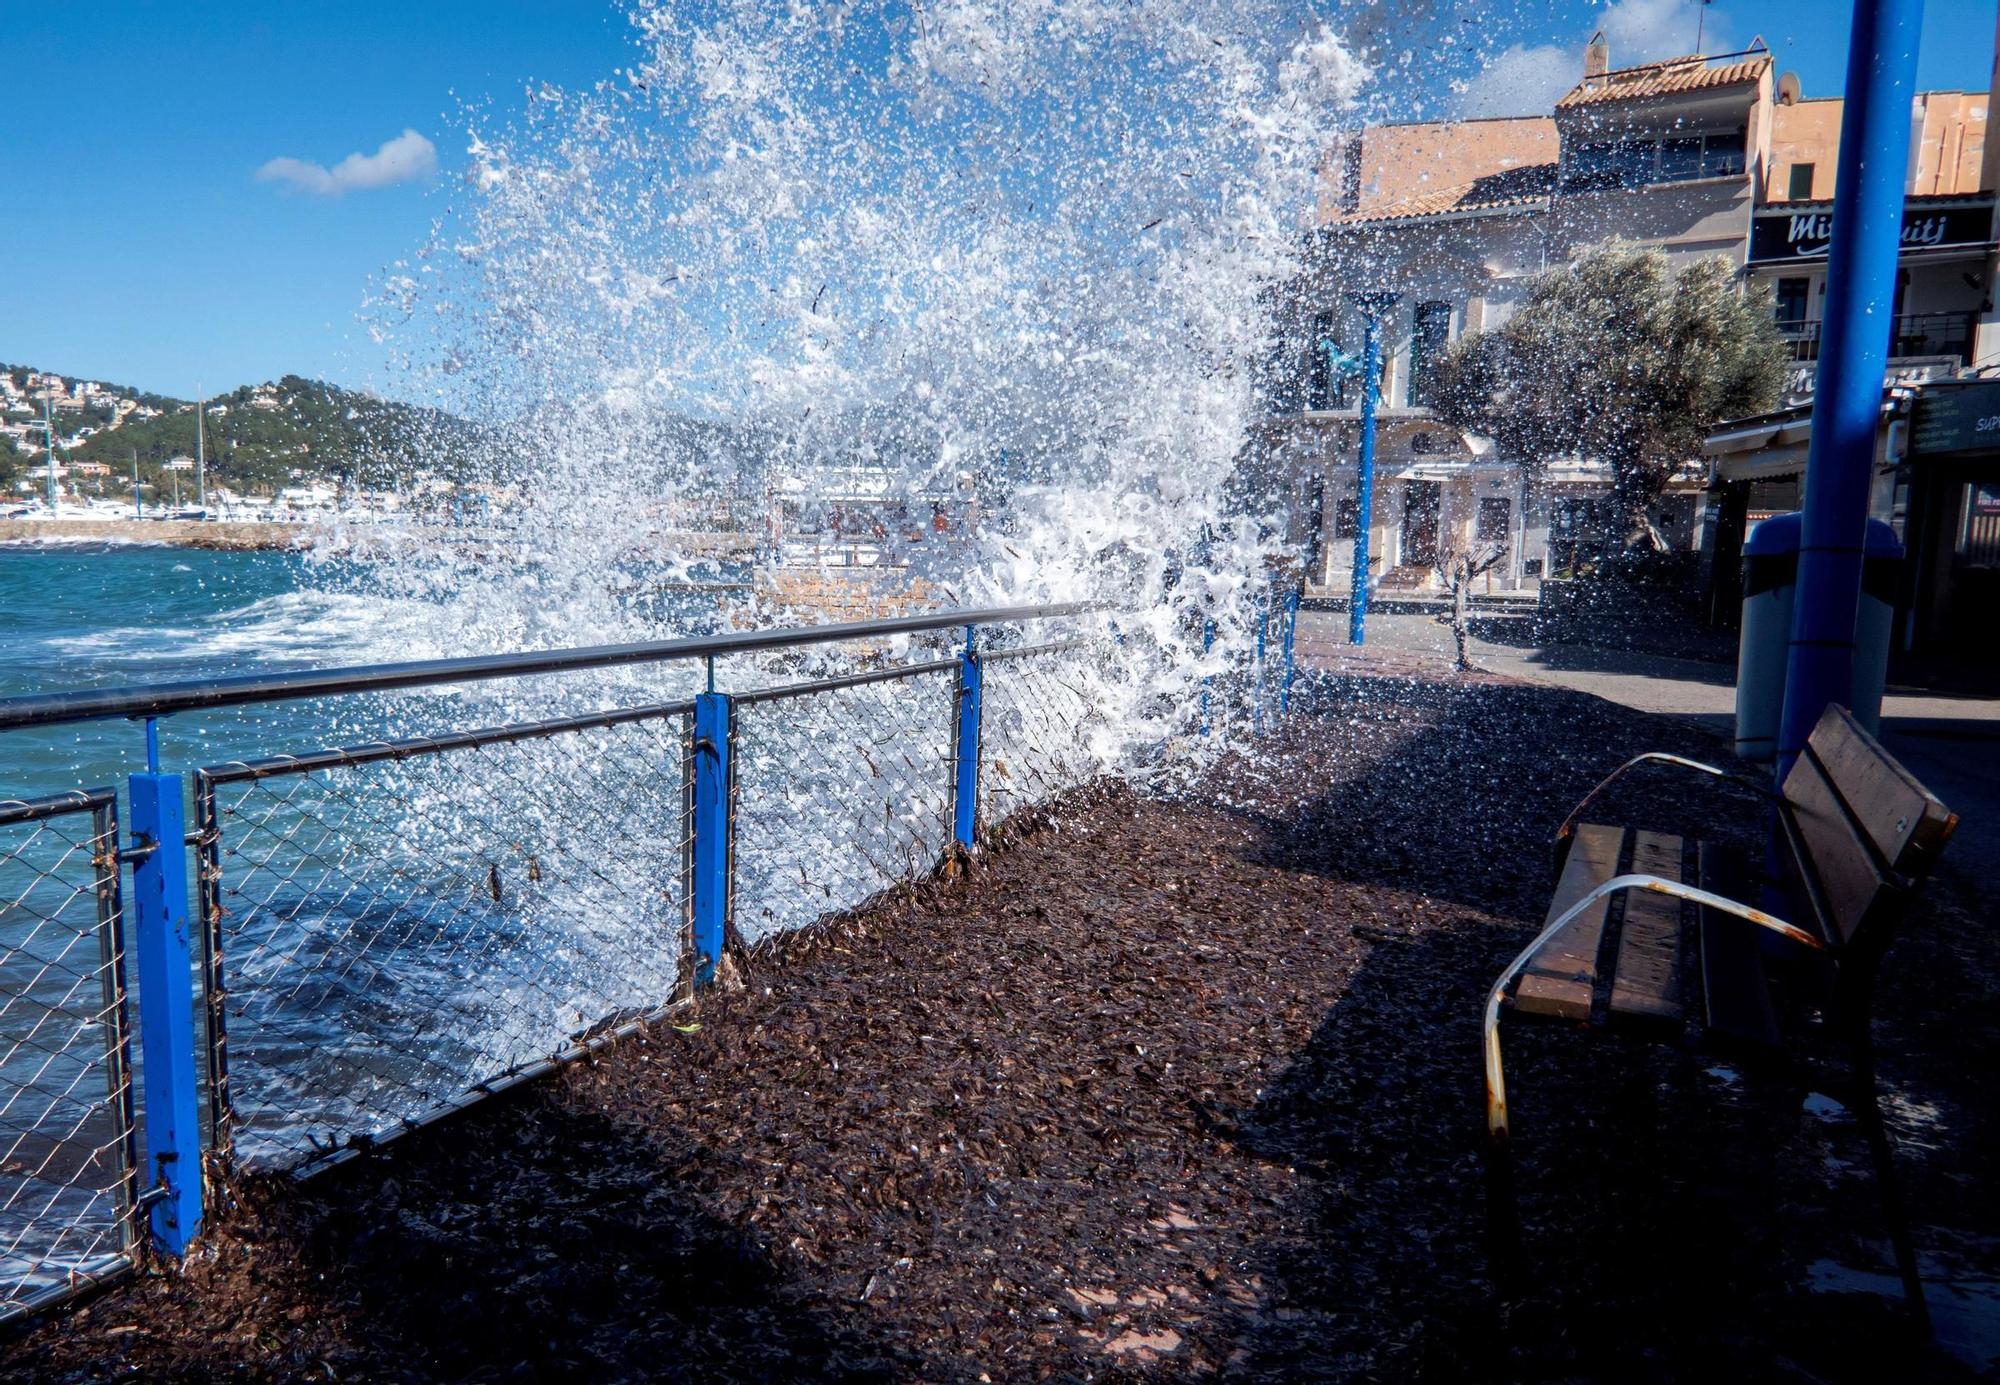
(1020, 245)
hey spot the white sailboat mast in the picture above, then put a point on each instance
(200, 457)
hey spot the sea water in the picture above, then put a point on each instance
(1021, 246)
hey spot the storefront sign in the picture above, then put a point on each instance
(1957, 418)
(1805, 235)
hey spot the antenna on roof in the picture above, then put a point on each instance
(1700, 23)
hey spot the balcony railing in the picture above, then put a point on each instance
(1919, 334)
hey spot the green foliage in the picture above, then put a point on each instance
(1617, 357)
(303, 431)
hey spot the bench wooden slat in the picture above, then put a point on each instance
(1736, 994)
(1898, 814)
(1844, 863)
(1645, 985)
(1562, 978)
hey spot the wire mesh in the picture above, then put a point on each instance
(1037, 717)
(394, 931)
(68, 1163)
(842, 790)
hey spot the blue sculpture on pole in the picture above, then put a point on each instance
(1373, 307)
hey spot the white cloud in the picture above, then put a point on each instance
(404, 159)
(1525, 80)
(1522, 81)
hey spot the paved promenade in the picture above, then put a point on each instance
(1951, 742)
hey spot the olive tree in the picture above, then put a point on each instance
(1619, 357)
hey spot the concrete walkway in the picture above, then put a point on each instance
(1952, 743)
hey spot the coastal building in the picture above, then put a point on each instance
(1937, 484)
(1698, 156)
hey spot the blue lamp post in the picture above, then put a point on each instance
(1373, 306)
(1854, 350)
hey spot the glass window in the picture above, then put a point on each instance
(1320, 383)
(1790, 301)
(1722, 155)
(1427, 345)
(1493, 524)
(1634, 163)
(1680, 159)
(1979, 527)
(1592, 165)
(1800, 189)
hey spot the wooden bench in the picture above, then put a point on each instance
(1856, 835)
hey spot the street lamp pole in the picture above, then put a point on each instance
(1854, 350)
(1373, 306)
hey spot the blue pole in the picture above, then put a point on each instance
(1854, 350)
(709, 880)
(1291, 649)
(166, 1009)
(1207, 643)
(1372, 306)
(965, 747)
(1263, 624)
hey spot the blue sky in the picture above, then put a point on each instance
(142, 246)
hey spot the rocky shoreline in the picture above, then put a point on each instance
(226, 536)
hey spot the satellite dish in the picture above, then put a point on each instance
(1788, 89)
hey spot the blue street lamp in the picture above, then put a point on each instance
(1373, 306)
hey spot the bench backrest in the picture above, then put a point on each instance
(1866, 831)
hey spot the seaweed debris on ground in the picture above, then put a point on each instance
(1156, 1088)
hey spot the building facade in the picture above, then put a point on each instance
(1698, 156)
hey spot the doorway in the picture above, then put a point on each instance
(1421, 502)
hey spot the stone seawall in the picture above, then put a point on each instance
(230, 535)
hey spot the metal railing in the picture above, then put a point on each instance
(1911, 336)
(353, 941)
(68, 1156)
(337, 945)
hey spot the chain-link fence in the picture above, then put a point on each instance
(68, 1148)
(1037, 725)
(388, 932)
(843, 789)
(392, 931)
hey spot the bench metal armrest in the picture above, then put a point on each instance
(1661, 757)
(1496, 1086)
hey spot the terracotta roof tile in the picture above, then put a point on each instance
(1514, 187)
(1672, 77)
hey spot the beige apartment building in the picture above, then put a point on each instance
(1699, 156)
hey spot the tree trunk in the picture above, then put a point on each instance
(1635, 486)
(1461, 579)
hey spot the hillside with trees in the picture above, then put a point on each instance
(259, 438)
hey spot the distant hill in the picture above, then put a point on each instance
(259, 438)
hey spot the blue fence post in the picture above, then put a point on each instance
(1257, 690)
(714, 721)
(1208, 680)
(965, 746)
(166, 1007)
(1291, 649)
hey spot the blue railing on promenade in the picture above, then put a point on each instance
(335, 946)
